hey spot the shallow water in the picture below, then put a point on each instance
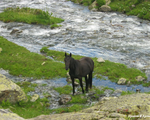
(113, 36)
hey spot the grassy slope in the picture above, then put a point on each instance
(21, 62)
(114, 71)
(140, 8)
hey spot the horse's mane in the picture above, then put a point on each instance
(72, 64)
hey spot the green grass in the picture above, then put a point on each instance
(39, 107)
(21, 62)
(127, 93)
(114, 71)
(140, 8)
(30, 16)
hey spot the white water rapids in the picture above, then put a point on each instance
(113, 36)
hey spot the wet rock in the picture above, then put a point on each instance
(34, 97)
(64, 99)
(10, 91)
(121, 81)
(140, 78)
(100, 60)
(105, 8)
(15, 31)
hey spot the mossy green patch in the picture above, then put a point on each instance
(30, 16)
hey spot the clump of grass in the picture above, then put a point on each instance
(30, 16)
(127, 92)
(64, 90)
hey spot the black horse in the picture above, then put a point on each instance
(78, 69)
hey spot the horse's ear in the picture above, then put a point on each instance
(70, 54)
(65, 54)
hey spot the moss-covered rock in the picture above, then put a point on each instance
(7, 115)
(10, 91)
(112, 108)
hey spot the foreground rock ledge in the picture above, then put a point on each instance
(109, 109)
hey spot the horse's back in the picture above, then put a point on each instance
(87, 61)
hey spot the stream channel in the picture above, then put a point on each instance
(112, 36)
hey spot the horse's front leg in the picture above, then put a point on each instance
(72, 78)
(80, 79)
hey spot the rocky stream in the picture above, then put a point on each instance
(112, 36)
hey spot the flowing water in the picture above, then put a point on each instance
(113, 36)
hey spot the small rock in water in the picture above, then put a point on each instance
(100, 60)
(121, 81)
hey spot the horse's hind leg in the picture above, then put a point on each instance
(80, 79)
(90, 80)
(87, 83)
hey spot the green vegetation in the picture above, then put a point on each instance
(89, 2)
(30, 16)
(127, 92)
(114, 71)
(140, 8)
(39, 107)
(21, 62)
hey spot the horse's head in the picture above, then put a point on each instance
(67, 60)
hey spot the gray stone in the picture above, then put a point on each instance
(105, 8)
(10, 91)
(8, 115)
(116, 115)
(64, 99)
(100, 60)
(34, 97)
(121, 81)
(140, 78)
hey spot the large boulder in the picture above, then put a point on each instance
(8, 115)
(10, 91)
